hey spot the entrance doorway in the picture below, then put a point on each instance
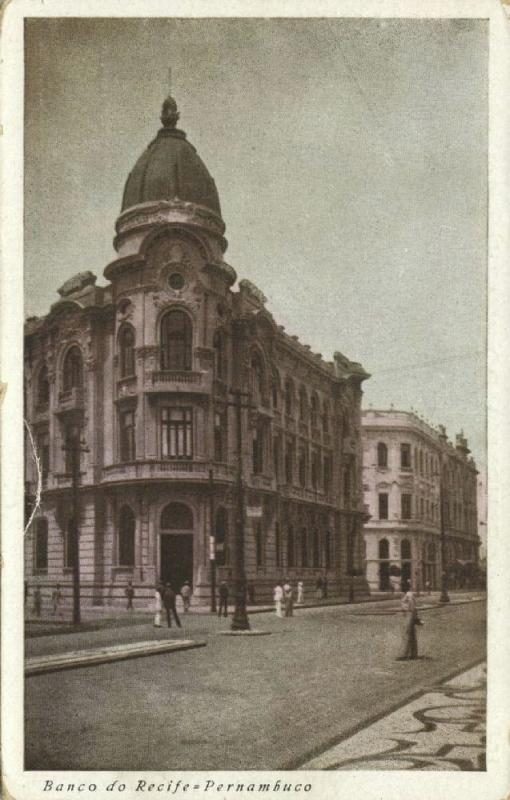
(176, 545)
(176, 559)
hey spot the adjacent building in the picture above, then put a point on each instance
(412, 477)
(141, 371)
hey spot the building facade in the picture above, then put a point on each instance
(142, 370)
(412, 475)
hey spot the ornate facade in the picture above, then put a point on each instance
(410, 473)
(143, 368)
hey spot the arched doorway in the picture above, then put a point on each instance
(176, 545)
(384, 566)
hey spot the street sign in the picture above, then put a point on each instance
(254, 512)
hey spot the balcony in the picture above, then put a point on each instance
(126, 386)
(167, 470)
(189, 382)
(70, 400)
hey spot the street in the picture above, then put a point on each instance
(261, 702)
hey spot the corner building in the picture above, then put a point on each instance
(145, 367)
(410, 471)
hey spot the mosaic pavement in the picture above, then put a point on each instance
(444, 729)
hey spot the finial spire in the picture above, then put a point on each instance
(169, 113)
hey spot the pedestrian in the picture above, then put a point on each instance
(223, 599)
(278, 598)
(56, 597)
(288, 597)
(169, 599)
(158, 604)
(251, 593)
(318, 588)
(325, 588)
(186, 596)
(300, 593)
(427, 586)
(410, 641)
(37, 601)
(130, 593)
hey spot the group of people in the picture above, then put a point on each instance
(56, 600)
(165, 598)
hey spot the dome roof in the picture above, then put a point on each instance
(170, 167)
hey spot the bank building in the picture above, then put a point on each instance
(132, 383)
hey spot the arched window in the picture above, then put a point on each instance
(176, 516)
(220, 355)
(316, 550)
(127, 526)
(382, 455)
(41, 545)
(302, 467)
(304, 547)
(314, 411)
(289, 397)
(384, 548)
(275, 390)
(127, 351)
(325, 418)
(405, 549)
(43, 387)
(303, 405)
(221, 532)
(257, 379)
(176, 341)
(72, 370)
(290, 547)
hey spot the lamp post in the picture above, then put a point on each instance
(212, 544)
(74, 446)
(444, 598)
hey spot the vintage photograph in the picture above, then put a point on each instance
(255, 399)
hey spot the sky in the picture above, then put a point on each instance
(350, 156)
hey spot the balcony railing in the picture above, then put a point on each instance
(70, 399)
(179, 381)
(177, 470)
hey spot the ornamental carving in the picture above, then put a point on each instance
(165, 298)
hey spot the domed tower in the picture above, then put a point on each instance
(172, 303)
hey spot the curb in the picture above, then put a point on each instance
(39, 665)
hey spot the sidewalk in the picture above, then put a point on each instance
(443, 729)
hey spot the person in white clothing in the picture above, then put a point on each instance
(300, 593)
(278, 599)
(157, 606)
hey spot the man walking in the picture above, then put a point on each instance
(223, 598)
(288, 599)
(169, 604)
(130, 593)
(186, 596)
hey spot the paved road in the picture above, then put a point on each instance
(266, 702)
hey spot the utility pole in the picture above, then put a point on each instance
(444, 598)
(240, 619)
(74, 446)
(212, 544)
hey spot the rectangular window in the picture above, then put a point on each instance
(276, 457)
(278, 545)
(383, 506)
(259, 545)
(289, 461)
(176, 433)
(327, 474)
(43, 444)
(405, 455)
(315, 470)
(257, 451)
(406, 506)
(127, 436)
(41, 545)
(220, 437)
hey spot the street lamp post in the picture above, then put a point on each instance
(212, 544)
(240, 620)
(74, 446)
(444, 598)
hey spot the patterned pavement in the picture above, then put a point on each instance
(444, 729)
